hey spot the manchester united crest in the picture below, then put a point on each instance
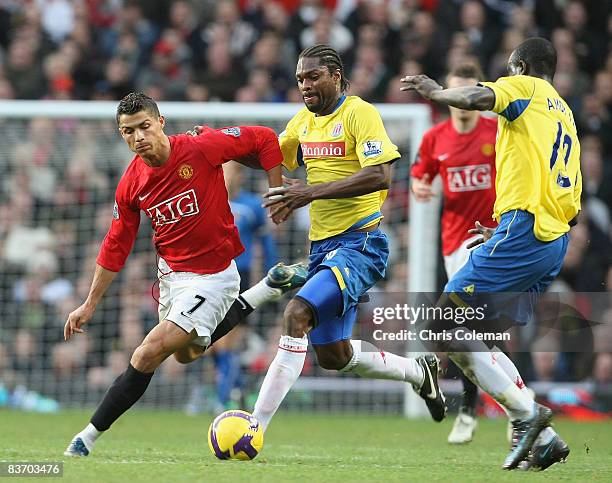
(487, 149)
(185, 171)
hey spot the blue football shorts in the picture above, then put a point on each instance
(513, 265)
(341, 269)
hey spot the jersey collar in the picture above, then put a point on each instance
(340, 101)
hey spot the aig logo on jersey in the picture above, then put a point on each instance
(174, 209)
(469, 178)
(372, 148)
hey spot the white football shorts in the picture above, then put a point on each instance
(195, 301)
(456, 260)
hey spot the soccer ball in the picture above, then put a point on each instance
(235, 435)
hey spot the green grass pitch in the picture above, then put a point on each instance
(169, 446)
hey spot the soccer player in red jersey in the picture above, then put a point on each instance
(177, 181)
(462, 151)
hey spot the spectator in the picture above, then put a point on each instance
(197, 93)
(57, 18)
(169, 68)
(24, 71)
(129, 19)
(586, 41)
(118, 78)
(422, 43)
(483, 36)
(267, 56)
(240, 34)
(326, 30)
(222, 77)
(185, 22)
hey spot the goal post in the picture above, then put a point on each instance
(61, 161)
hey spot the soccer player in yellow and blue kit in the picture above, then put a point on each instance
(538, 185)
(342, 142)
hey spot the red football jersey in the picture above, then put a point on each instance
(186, 200)
(466, 163)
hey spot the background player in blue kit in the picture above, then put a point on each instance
(251, 220)
(252, 223)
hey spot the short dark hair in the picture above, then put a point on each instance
(539, 54)
(466, 70)
(135, 102)
(330, 59)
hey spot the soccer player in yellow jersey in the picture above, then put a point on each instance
(538, 185)
(343, 144)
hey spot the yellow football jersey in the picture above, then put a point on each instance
(538, 154)
(333, 147)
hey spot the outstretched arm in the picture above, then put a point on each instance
(113, 253)
(101, 281)
(275, 176)
(367, 180)
(471, 98)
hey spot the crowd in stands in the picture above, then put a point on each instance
(59, 176)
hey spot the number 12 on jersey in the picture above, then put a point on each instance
(562, 180)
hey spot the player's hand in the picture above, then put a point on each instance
(77, 319)
(195, 131)
(421, 188)
(480, 230)
(284, 201)
(420, 83)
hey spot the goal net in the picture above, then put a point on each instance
(60, 163)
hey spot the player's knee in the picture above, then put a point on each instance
(147, 357)
(188, 354)
(332, 362)
(298, 318)
(183, 358)
(334, 357)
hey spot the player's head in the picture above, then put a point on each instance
(320, 77)
(464, 74)
(140, 124)
(536, 57)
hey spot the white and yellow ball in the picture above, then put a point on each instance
(235, 435)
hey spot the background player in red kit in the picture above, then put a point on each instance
(178, 182)
(462, 151)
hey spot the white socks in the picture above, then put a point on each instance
(484, 369)
(282, 374)
(512, 372)
(261, 293)
(372, 363)
(89, 435)
(289, 361)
